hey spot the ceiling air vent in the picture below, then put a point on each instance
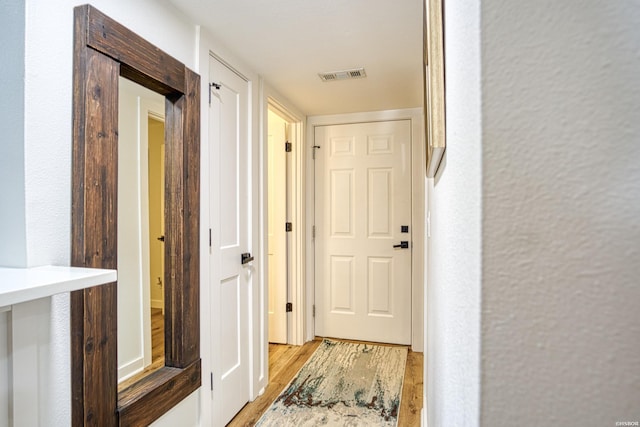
(356, 73)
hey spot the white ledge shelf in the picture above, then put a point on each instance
(18, 285)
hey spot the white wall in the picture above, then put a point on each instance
(13, 251)
(454, 249)
(561, 202)
(544, 222)
(47, 156)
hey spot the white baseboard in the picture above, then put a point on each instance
(130, 368)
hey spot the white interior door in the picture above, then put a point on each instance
(229, 127)
(363, 200)
(277, 236)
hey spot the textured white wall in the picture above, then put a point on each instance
(47, 153)
(13, 249)
(49, 55)
(561, 202)
(454, 279)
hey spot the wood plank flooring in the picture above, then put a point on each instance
(157, 336)
(286, 360)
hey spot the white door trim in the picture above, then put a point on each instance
(296, 267)
(418, 211)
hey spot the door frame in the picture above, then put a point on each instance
(278, 200)
(415, 115)
(296, 240)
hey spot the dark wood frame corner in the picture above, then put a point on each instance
(104, 50)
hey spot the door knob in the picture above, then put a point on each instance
(246, 258)
(403, 245)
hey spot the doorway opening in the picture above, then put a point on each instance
(278, 213)
(156, 233)
(285, 225)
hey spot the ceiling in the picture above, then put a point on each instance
(289, 42)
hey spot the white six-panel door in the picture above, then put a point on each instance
(228, 127)
(363, 198)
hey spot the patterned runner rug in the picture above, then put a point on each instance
(343, 384)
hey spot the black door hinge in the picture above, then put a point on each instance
(289, 307)
(288, 226)
(287, 147)
(213, 86)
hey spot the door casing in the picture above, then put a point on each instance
(277, 215)
(297, 237)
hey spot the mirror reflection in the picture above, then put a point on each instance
(140, 231)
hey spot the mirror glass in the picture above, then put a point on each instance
(140, 231)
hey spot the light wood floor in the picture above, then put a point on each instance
(286, 360)
(157, 336)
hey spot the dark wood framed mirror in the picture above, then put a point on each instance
(103, 51)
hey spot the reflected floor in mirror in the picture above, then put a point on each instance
(157, 351)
